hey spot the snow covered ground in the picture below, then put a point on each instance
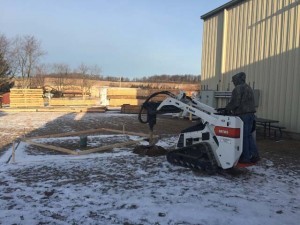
(120, 187)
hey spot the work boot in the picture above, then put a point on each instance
(244, 161)
(254, 159)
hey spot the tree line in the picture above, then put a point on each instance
(186, 78)
(20, 57)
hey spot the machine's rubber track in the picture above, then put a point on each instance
(196, 157)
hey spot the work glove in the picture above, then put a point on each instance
(222, 111)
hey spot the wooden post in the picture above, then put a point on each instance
(13, 159)
(83, 141)
(151, 137)
(190, 116)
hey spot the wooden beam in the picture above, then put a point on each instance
(67, 134)
(55, 148)
(127, 132)
(109, 147)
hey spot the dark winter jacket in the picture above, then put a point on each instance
(242, 98)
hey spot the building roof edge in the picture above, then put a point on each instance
(221, 8)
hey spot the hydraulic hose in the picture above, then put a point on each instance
(147, 106)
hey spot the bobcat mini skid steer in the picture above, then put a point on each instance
(215, 142)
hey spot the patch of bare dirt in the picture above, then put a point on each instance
(149, 150)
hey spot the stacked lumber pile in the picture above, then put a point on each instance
(142, 94)
(131, 109)
(72, 102)
(121, 96)
(161, 97)
(133, 96)
(26, 98)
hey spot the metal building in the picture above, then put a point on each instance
(261, 38)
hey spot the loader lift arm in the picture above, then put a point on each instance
(175, 103)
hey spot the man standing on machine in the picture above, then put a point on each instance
(242, 104)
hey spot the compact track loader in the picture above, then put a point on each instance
(215, 142)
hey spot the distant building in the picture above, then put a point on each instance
(261, 38)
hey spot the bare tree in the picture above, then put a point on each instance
(61, 78)
(26, 51)
(85, 79)
(38, 80)
(83, 69)
(95, 71)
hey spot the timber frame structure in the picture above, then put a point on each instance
(31, 141)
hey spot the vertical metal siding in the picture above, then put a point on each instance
(212, 51)
(262, 38)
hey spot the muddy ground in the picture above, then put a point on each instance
(285, 153)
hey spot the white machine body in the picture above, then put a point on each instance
(223, 133)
